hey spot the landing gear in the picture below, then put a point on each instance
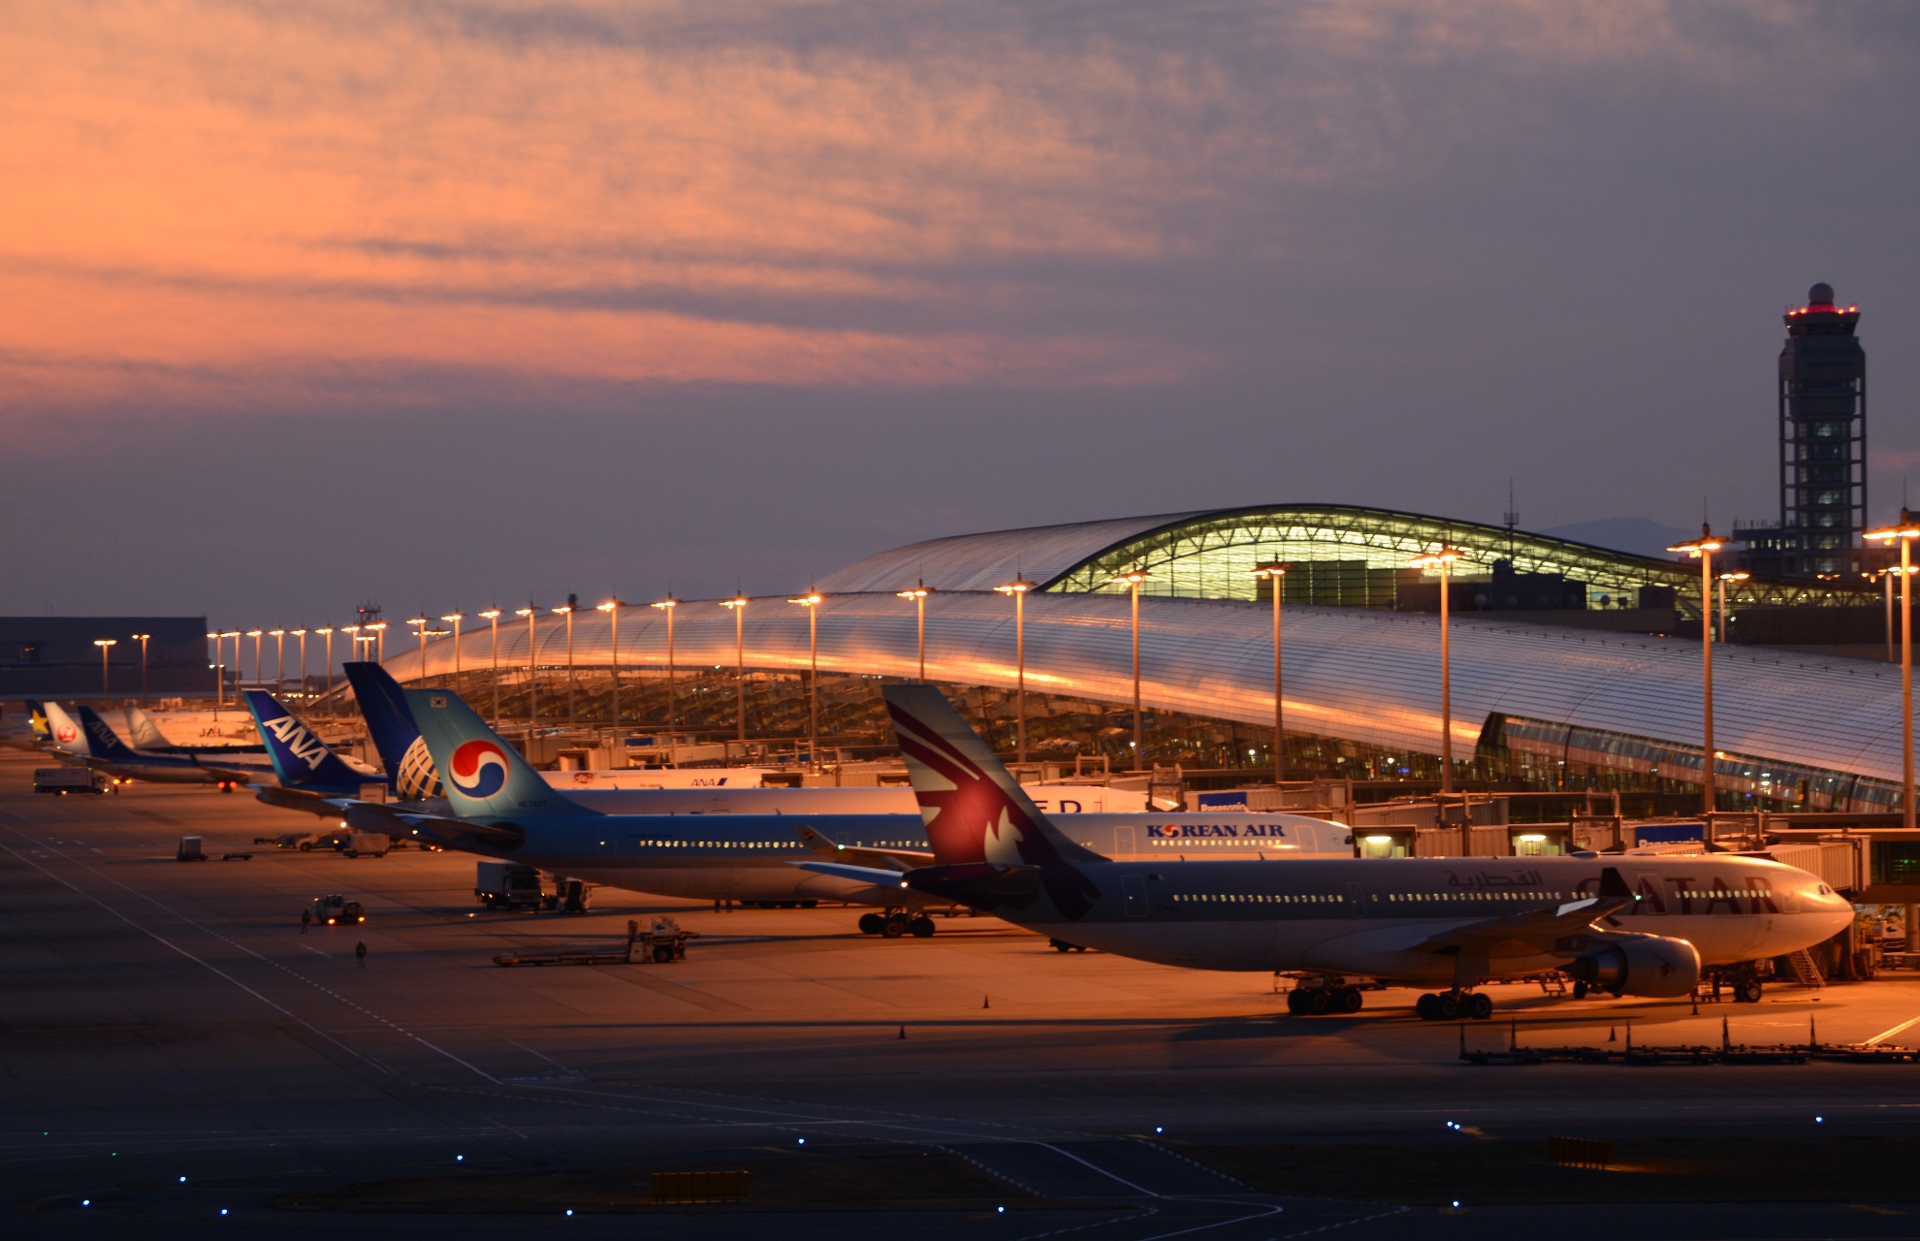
(1747, 991)
(1579, 990)
(1334, 997)
(1061, 945)
(896, 923)
(1453, 1005)
(921, 927)
(870, 924)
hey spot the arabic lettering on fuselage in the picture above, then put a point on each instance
(1231, 831)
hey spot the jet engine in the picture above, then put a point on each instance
(1654, 966)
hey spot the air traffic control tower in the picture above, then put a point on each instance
(1823, 447)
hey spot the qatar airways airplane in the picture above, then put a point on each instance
(1630, 925)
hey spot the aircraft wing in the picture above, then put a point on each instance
(879, 877)
(367, 816)
(894, 861)
(1543, 928)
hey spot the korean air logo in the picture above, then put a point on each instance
(479, 769)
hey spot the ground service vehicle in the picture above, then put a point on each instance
(508, 885)
(337, 910)
(63, 780)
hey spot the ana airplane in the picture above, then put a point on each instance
(303, 763)
(501, 807)
(1629, 925)
(94, 744)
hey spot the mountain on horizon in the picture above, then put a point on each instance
(1625, 534)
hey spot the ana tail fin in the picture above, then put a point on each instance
(974, 809)
(300, 758)
(102, 741)
(484, 776)
(383, 704)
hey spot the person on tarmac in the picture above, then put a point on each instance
(306, 919)
(360, 950)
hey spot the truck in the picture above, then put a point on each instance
(64, 780)
(509, 885)
(368, 844)
(337, 910)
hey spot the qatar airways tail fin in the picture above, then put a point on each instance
(484, 776)
(975, 811)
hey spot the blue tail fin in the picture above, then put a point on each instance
(484, 776)
(102, 741)
(37, 717)
(300, 759)
(395, 735)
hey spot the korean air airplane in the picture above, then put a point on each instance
(1629, 925)
(93, 743)
(502, 807)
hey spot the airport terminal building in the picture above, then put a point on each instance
(1564, 656)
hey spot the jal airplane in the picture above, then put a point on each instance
(1629, 925)
(92, 743)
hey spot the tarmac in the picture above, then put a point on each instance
(179, 1056)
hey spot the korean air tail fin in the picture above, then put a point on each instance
(484, 776)
(102, 741)
(143, 732)
(395, 735)
(975, 811)
(300, 758)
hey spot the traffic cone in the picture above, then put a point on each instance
(986, 1002)
(1613, 1034)
(903, 1030)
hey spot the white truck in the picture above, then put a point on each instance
(509, 885)
(64, 780)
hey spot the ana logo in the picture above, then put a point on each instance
(479, 769)
(302, 744)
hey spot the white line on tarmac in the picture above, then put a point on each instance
(1884, 1035)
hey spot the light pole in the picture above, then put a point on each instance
(492, 616)
(302, 635)
(811, 602)
(1443, 560)
(738, 605)
(566, 610)
(1131, 580)
(279, 637)
(235, 635)
(612, 608)
(1724, 579)
(219, 690)
(533, 665)
(1886, 578)
(667, 605)
(1274, 574)
(919, 595)
(1702, 549)
(328, 631)
(1018, 588)
(455, 618)
(380, 642)
(141, 638)
(258, 636)
(1906, 532)
(421, 622)
(105, 645)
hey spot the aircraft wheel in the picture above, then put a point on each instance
(808, 904)
(1319, 1000)
(894, 927)
(870, 924)
(1296, 1002)
(921, 928)
(1446, 1006)
(1427, 1007)
(1747, 991)
(1479, 1007)
(1348, 999)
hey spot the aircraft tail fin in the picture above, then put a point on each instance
(975, 811)
(299, 757)
(64, 731)
(143, 732)
(37, 719)
(390, 722)
(484, 776)
(101, 740)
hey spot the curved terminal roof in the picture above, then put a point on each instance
(1363, 675)
(983, 561)
(1344, 555)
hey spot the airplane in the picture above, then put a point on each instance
(92, 743)
(1624, 924)
(501, 807)
(144, 735)
(302, 762)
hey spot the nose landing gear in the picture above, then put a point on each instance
(897, 923)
